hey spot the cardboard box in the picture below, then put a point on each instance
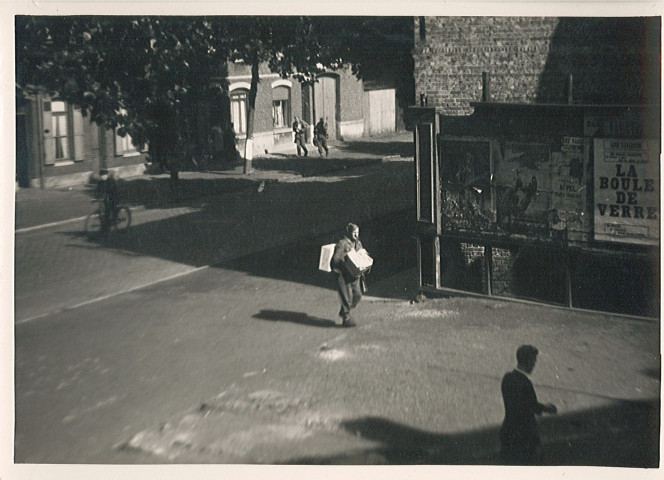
(357, 262)
(326, 252)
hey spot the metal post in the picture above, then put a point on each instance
(486, 87)
(488, 268)
(568, 280)
(40, 138)
(570, 89)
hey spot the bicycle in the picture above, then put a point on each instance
(100, 222)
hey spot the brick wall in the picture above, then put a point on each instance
(502, 263)
(462, 266)
(612, 60)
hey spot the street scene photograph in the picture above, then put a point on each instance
(303, 239)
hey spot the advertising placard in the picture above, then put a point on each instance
(523, 180)
(568, 189)
(627, 190)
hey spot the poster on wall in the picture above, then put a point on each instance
(465, 167)
(569, 189)
(523, 181)
(627, 190)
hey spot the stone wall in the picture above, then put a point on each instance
(529, 59)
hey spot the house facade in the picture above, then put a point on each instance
(351, 109)
(58, 146)
(537, 146)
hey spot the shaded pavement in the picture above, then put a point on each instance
(243, 362)
(36, 207)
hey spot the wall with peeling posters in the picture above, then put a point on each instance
(537, 202)
(537, 145)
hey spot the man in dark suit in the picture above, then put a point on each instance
(519, 440)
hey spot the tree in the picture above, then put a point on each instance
(303, 47)
(147, 76)
(377, 48)
(288, 45)
(144, 75)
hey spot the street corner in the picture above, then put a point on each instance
(239, 426)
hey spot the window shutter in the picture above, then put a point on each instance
(79, 144)
(47, 133)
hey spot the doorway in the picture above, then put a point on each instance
(325, 103)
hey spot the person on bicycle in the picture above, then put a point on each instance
(107, 190)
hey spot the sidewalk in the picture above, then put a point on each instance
(420, 384)
(35, 207)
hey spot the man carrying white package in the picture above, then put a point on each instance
(350, 262)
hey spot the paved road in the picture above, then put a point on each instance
(240, 362)
(59, 267)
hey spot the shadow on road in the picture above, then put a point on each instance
(387, 148)
(158, 191)
(284, 226)
(294, 317)
(387, 238)
(624, 434)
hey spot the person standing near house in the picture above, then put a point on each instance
(229, 143)
(519, 439)
(216, 143)
(348, 286)
(300, 128)
(320, 132)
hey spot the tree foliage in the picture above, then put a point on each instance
(148, 76)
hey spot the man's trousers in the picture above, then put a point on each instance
(349, 294)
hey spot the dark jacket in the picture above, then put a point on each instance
(320, 130)
(107, 190)
(341, 249)
(519, 426)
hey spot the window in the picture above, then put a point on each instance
(124, 145)
(239, 111)
(62, 132)
(280, 107)
(60, 129)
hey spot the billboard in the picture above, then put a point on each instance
(626, 190)
(569, 189)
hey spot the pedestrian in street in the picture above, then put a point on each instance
(320, 133)
(348, 286)
(519, 439)
(300, 128)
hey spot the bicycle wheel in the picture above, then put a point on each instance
(123, 219)
(93, 224)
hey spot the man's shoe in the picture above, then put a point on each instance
(348, 323)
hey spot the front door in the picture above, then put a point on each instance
(380, 106)
(325, 103)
